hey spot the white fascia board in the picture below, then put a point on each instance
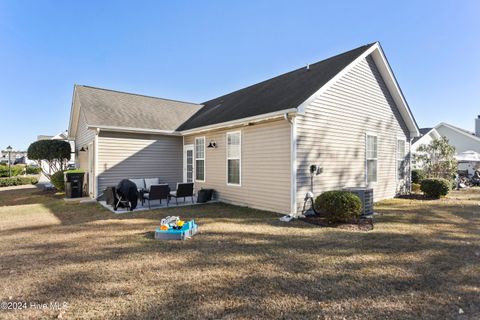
(432, 134)
(262, 117)
(326, 86)
(74, 115)
(458, 130)
(134, 130)
(394, 89)
(384, 68)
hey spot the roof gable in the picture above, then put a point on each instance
(465, 133)
(283, 92)
(114, 110)
(289, 92)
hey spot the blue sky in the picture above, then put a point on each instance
(197, 50)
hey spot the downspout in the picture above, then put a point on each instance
(409, 183)
(95, 167)
(293, 163)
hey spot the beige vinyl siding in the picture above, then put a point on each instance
(83, 137)
(126, 155)
(332, 134)
(265, 166)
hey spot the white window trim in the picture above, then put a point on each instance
(226, 160)
(367, 183)
(204, 159)
(396, 158)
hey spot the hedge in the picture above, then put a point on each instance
(33, 170)
(16, 170)
(58, 180)
(435, 188)
(418, 175)
(17, 181)
(416, 188)
(339, 205)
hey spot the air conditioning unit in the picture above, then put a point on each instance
(366, 195)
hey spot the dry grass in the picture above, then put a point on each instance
(422, 260)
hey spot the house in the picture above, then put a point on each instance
(464, 141)
(254, 146)
(12, 156)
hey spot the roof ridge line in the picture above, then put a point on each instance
(459, 128)
(136, 94)
(291, 71)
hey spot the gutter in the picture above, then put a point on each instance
(134, 130)
(242, 121)
(293, 164)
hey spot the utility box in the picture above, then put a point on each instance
(366, 195)
(74, 184)
(204, 195)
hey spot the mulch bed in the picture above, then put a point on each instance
(362, 224)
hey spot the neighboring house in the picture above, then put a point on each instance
(463, 140)
(254, 146)
(14, 155)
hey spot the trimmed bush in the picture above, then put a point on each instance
(50, 150)
(418, 175)
(16, 170)
(435, 188)
(58, 180)
(415, 187)
(17, 181)
(339, 205)
(33, 170)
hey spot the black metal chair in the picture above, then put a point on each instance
(157, 192)
(183, 190)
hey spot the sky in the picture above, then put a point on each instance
(197, 50)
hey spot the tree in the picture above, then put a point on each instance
(54, 153)
(438, 158)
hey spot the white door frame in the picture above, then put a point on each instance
(186, 148)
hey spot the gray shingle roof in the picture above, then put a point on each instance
(423, 131)
(109, 108)
(283, 92)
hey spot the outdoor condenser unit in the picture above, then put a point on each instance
(366, 195)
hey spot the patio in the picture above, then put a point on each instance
(155, 204)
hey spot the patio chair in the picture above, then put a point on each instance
(149, 182)
(157, 192)
(183, 190)
(140, 183)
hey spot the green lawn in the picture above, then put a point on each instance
(421, 261)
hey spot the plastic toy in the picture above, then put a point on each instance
(176, 229)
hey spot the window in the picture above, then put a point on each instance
(200, 159)
(372, 158)
(233, 158)
(401, 159)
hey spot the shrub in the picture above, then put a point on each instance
(435, 188)
(415, 187)
(16, 181)
(418, 175)
(54, 153)
(16, 170)
(58, 180)
(33, 170)
(340, 205)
